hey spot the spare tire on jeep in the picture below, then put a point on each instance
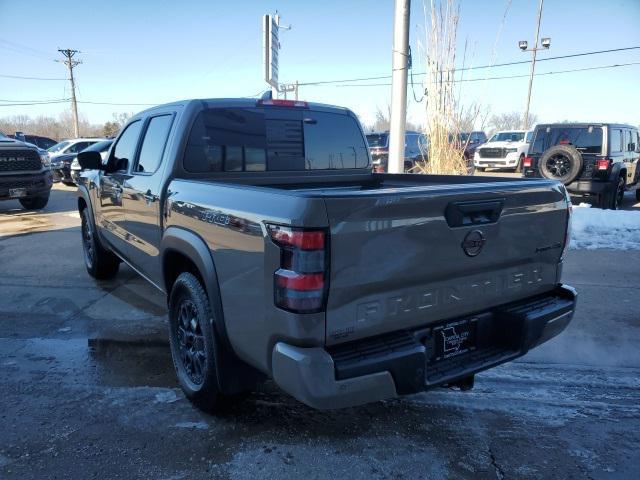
(562, 163)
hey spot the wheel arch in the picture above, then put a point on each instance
(187, 247)
(618, 169)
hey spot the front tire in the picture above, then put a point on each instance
(34, 203)
(193, 346)
(518, 168)
(100, 262)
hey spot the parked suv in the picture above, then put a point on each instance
(591, 159)
(414, 149)
(505, 149)
(75, 146)
(24, 174)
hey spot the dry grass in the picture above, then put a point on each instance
(443, 114)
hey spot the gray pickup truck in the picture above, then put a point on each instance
(282, 255)
(25, 174)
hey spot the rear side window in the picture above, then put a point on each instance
(78, 147)
(155, 140)
(586, 139)
(615, 140)
(258, 139)
(628, 140)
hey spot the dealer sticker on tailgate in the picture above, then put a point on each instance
(17, 192)
(454, 338)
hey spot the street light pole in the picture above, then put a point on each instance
(400, 63)
(534, 50)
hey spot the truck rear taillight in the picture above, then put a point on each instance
(300, 284)
(527, 162)
(603, 164)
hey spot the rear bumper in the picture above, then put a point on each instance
(36, 184)
(589, 186)
(401, 362)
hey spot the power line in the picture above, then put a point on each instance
(501, 78)
(121, 104)
(36, 101)
(20, 77)
(33, 103)
(521, 62)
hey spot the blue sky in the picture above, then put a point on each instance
(155, 52)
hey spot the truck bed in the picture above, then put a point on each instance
(396, 246)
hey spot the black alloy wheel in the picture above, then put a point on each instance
(191, 341)
(559, 165)
(87, 241)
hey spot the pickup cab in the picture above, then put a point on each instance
(283, 255)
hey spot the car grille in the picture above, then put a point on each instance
(24, 184)
(492, 152)
(19, 160)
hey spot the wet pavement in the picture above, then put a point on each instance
(87, 388)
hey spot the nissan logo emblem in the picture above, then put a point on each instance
(473, 243)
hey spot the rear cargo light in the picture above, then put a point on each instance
(282, 103)
(527, 162)
(300, 284)
(603, 163)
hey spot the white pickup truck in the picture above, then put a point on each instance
(505, 149)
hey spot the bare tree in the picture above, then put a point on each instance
(510, 121)
(112, 128)
(382, 121)
(60, 127)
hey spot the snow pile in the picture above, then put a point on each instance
(594, 228)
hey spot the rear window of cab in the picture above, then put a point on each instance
(275, 139)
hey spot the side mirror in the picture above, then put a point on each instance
(90, 161)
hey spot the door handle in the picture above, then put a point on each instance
(460, 214)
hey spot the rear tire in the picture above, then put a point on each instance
(193, 345)
(613, 199)
(100, 262)
(638, 193)
(34, 203)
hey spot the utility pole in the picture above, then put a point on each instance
(400, 62)
(546, 43)
(71, 63)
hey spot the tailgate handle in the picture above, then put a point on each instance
(462, 214)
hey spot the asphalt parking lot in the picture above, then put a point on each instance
(88, 388)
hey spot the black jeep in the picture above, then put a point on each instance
(591, 159)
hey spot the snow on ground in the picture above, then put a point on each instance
(594, 228)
